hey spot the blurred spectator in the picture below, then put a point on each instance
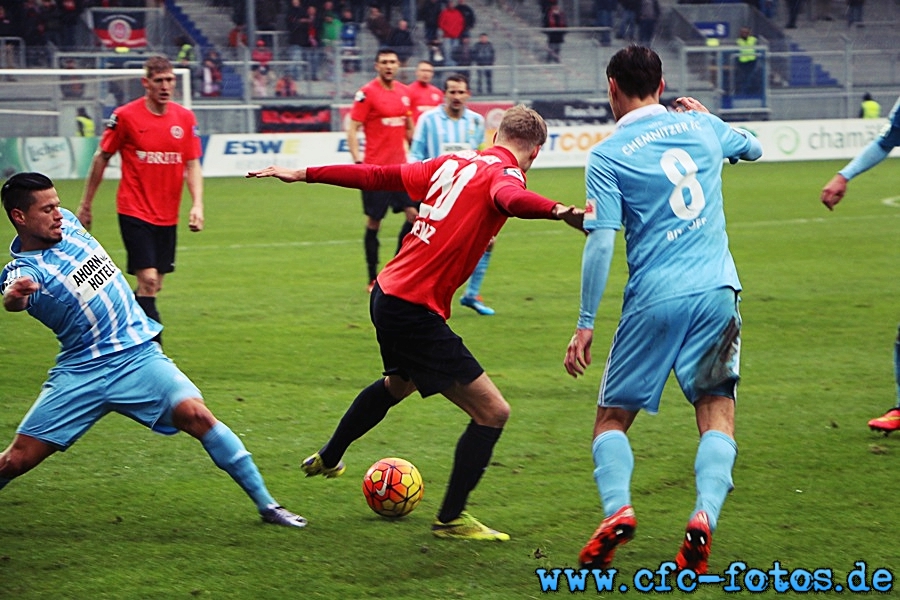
(70, 19)
(378, 25)
(349, 43)
(628, 24)
(186, 55)
(823, 10)
(8, 50)
(468, 16)
(436, 56)
(483, 54)
(331, 35)
(286, 87)
(429, 14)
(452, 24)
(262, 54)
(854, 12)
(462, 56)
(794, 7)
(262, 82)
(293, 20)
(237, 38)
(267, 14)
(603, 17)
(869, 108)
(73, 86)
(50, 16)
(211, 78)
(746, 75)
(401, 42)
(556, 19)
(84, 124)
(32, 32)
(647, 19)
(311, 41)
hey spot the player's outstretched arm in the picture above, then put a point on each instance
(284, 174)
(573, 216)
(834, 190)
(15, 298)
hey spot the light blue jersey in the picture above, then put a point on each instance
(878, 149)
(660, 175)
(84, 298)
(437, 134)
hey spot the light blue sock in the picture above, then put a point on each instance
(614, 463)
(474, 287)
(230, 455)
(712, 468)
(897, 365)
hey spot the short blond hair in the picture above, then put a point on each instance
(522, 127)
(157, 64)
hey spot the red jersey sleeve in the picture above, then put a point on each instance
(511, 197)
(360, 108)
(363, 177)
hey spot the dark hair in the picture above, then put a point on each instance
(458, 78)
(18, 191)
(637, 71)
(383, 51)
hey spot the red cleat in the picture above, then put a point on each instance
(694, 552)
(612, 533)
(888, 422)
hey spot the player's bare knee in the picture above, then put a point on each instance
(398, 387)
(193, 417)
(14, 463)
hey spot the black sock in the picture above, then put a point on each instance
(367, 411)
(407, 227)
(371, 245)
(148, 303)
(473, 453)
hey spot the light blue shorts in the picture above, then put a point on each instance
(698, 336)
(140, 382)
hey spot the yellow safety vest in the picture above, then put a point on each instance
(871, 109)
(86, 126)
(747, 53)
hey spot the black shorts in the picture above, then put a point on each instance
(149, 246)
(418, 344)
(376, 204)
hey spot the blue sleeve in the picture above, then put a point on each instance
(418, 149)
(595, 262)
(755, 149)
(870, 156)
(479, 134)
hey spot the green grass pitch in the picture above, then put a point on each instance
(268, 314)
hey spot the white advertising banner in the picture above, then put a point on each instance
(782, 141)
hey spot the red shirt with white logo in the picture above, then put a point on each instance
(468, 196)
(154, 150)
(422, 97)
(383, 113)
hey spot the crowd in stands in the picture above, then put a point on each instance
(38, 25)
(322, 39)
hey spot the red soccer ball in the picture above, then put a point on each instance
(393, 487)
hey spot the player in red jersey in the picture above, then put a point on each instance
(467, 198)
(381, 108)
(159, 144)
(423, 95)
